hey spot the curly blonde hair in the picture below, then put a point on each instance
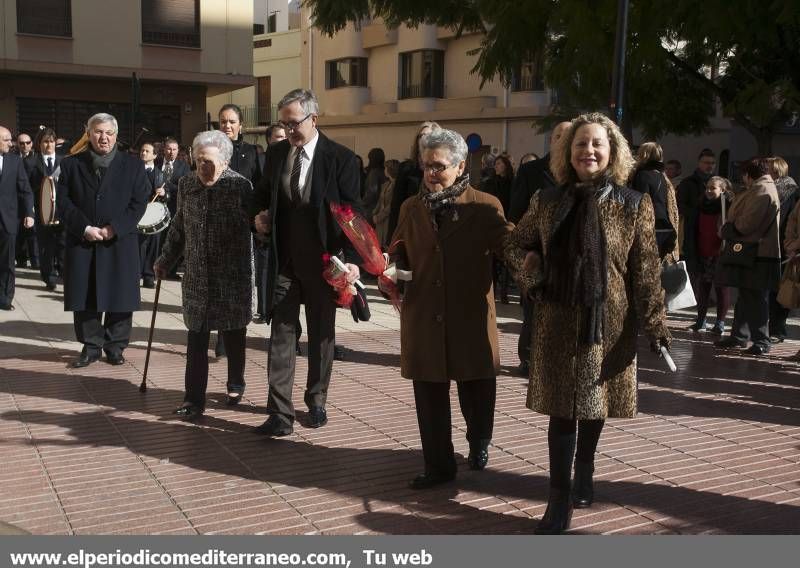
(620, 162)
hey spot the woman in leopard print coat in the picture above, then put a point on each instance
(586, 252)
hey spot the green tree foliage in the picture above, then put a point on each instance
(682, 55)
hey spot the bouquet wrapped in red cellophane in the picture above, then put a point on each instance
(365, 241)
(333, 274)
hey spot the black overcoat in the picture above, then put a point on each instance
(119, 200)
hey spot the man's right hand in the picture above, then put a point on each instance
(263, 223)
(93, 234)
(159, 271)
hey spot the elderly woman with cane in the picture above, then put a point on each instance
(586, 251)
(211, 229)
(447, 324)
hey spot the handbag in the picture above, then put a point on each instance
(738, 253)
(678, 292)
(789, 290)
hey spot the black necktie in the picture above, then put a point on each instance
(49, 165)
(168, 171)
(294, 179)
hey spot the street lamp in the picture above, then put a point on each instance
(618, 73)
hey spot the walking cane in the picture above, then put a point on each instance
(143, 386)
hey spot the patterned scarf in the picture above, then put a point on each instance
(441, 202)
(101, 163)
(577, 273)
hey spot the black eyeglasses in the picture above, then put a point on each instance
(293, 124)
(26, 142)
(436, 168)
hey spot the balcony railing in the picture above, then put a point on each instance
(418, 91)
(259, 116)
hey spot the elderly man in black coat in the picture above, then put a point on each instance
(100, 197)
(303, 176)
(16, 201)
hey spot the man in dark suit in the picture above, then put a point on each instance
(27, 246)
(173, 169)
(531, 177)
(101, 195)
(149, 245)
(50, 237)
(303, 175)
(16, 201)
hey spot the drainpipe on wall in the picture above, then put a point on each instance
(505, 120)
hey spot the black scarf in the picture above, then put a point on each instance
(577, 273)
(441, 202)
(711, 206)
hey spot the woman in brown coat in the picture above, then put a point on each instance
(447, 325)
(753, 223)
(586, 251)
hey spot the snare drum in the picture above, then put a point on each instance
(47, 202)
(156, 218)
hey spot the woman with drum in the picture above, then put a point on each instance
(244, 161)
(43, 172)
(211, 229)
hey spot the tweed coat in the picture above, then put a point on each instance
(569, 379)
(118, 200)
(211, 229)
(448, 329)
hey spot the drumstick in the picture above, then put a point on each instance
(143, 386)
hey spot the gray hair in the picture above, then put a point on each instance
(449, 139)
(306, 98)
(213, 138)
(100, 118)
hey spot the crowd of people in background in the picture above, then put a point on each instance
(581, 234)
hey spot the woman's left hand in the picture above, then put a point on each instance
(533, 261)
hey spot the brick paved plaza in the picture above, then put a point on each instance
(715, 448)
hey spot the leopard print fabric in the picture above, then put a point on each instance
(570, 379)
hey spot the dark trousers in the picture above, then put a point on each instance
(751, 316)
(317, 296)
(777, 317)
(196, 377)
(51, 251)
(27, 247)
(703, 293)
(148, 253)
(477, 400)
(524, 341)
(98, 333)
(7, 274)
(261, 254)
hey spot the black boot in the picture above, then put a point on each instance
(583, 486)
(700, 322)
(561, 449)
(558, 515)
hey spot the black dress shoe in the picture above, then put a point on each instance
(189, 411)
(558, 515)
(275, 427)
(428, 480)
(51, 285)
(7, 307)
(757, 349)
(730, 342)
(583, 485)
(115, 359)
(148, 283)
(478, 455)
(317, 417)
(523, 370)
(299, 351)
(84, 360)
(338, 353)
(235, 393)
